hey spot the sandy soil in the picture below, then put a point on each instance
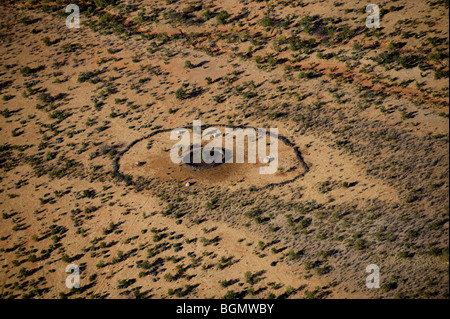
(366, 109)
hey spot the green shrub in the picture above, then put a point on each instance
(266, 21)
(25, 71)
(389, 286)
(207, 14)
(293, 255)
(249, 278)
(230, 295)
(47, 41)
(105, 3)
(181, 94)
(223, 17)
(310, 294)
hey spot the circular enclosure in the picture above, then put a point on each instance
(149, 157)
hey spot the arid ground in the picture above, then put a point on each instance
(86, 177)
